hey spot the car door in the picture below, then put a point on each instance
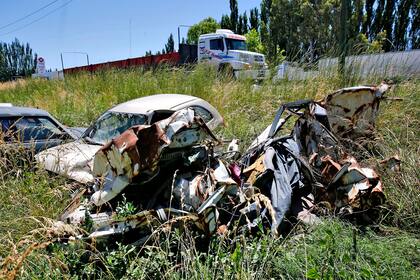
(35, 133)
(217, 49)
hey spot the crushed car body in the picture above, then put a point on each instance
(174, 172)
(75, 160)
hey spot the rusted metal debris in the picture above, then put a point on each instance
(174, 174)
(352, 111)
(392, 163)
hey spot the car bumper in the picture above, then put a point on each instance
(260, 74)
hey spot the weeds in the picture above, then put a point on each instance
(389, 250)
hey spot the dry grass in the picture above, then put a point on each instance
(320, 253)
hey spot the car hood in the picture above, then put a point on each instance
(77, 131)
(73, 160)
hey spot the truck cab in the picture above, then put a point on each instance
(227, 50)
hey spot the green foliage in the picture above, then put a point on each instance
(27, 198)
(254, 19)
(308, 30)
(170, 45)
(305, 31)
(16, 59)
(362, 45)
(242, 27)
(325, 252)
(253, 41)
(234, 15)
(225, 22)
(208, 25)
(125, 208)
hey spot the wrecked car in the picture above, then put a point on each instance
(75, 160)
(172, 173)
(33, 128)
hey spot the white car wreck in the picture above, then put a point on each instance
(75, 160)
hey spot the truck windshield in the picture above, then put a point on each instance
(233, 44)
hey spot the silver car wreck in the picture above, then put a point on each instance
(75, 160)
(171, 173)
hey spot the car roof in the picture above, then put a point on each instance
(16, 111)
(148, 104)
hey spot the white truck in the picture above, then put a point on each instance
(228, 51)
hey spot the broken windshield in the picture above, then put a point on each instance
(112, 124)
(233, 44)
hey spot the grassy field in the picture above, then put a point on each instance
(388, 250)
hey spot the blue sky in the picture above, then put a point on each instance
(101, 27)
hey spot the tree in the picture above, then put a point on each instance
(343, 34)
(254, 19)
(208, 25)
(148, 53)
(388, 22)
(366, 29)
(234, 15)
(170, 45)
(253, 41)
(265, 11)
(16, 59)
(402, 24)
(265, 23)
(225, 22)
(415, 26)
(308, 29)
(240, 26)
(244, 29)
(377, 20)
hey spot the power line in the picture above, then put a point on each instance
(28, 15)
(38, 19)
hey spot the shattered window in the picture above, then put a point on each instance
(31, 128)
(203, 113)
(112, 124)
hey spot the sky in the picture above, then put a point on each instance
(101, 28)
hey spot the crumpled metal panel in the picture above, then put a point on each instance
(352, 111)
(139, 149)
(318, 159)
(353, 185)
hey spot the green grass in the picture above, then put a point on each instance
(389, 250)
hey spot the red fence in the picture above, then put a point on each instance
(147, 61)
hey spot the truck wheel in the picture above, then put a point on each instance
(226, 71)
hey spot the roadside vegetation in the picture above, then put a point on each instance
(31, 198)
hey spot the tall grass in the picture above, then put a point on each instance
(390, 251)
